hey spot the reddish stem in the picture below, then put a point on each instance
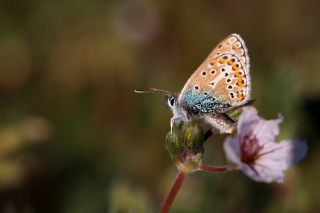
(173, 192)
(214, 168)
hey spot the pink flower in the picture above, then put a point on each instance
(254, 150)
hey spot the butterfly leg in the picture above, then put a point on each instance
(171, 124)
(221, 122)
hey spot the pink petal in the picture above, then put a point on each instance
(250, 123)
(232, 149)
(274, 151)
(247, 121)
(267, 130)
(297, 150)
(250, 172)
(264, 171)
(287, 153)
(269, 171)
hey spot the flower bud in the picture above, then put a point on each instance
(192, 136)
(173, 144)
(184, 145)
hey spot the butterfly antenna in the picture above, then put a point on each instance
(154, 90)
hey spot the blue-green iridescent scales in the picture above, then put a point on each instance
(197, 102)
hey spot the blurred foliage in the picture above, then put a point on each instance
(75, 138)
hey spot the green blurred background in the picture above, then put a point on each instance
(75, 138)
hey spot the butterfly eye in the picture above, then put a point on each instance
(171, 101)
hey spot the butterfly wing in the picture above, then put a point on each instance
(233, 44)
(222, 81)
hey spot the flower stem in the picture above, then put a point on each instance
(173, 192)
(214, 168)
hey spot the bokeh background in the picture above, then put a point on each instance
(75, 138)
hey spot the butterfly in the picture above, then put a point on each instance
(219, 85)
